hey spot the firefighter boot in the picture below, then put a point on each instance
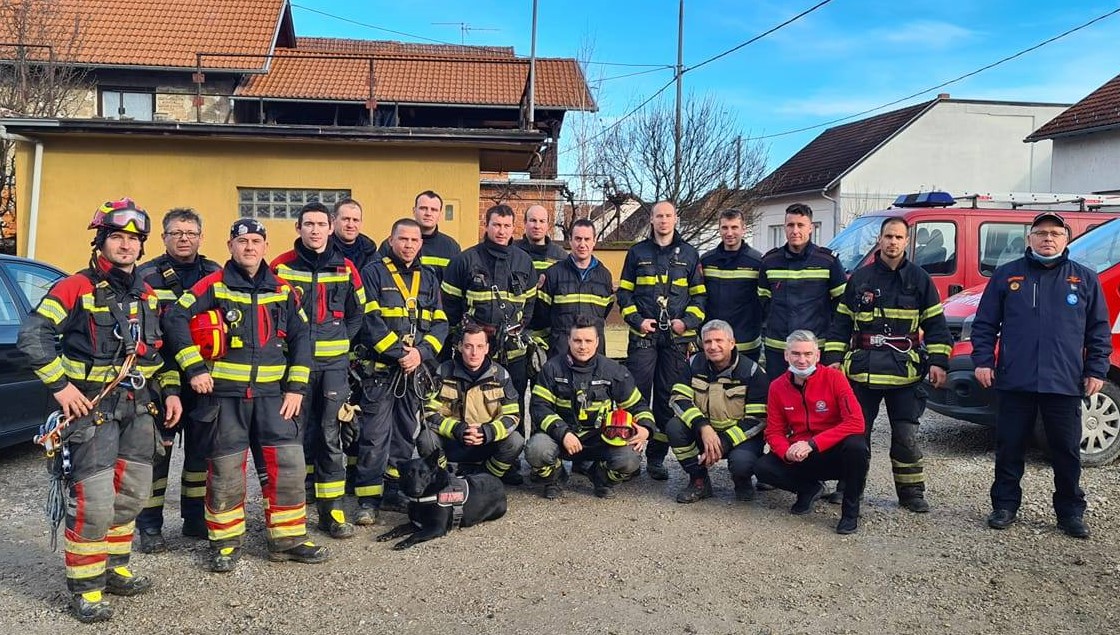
(120, 581)
(90, 607)
(698, 488)
(552, 489)
(194, 528)
(151, 540)
(225, 559)
(604, 488)
(305, 552)
(366, 515)
(744, 489)
(333, 520)
(655, 460)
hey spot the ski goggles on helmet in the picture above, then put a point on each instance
(618, 428)
(122, 215)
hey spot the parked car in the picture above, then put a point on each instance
(960, 241)
(27, 402)
(964, 398)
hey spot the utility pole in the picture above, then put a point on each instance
(533, 72)
(677, 126)
(739, 162)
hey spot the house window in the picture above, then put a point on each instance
(270, 203)
(122, 104)
(449, 211)
(778, 233)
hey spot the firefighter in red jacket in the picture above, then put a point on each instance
(815, 430)
(255, 369)
(105, 317)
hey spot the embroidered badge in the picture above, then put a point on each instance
(452, 497)
(1014, 286)
(822, 406)
(1071, 299)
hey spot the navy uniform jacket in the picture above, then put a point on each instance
(1054, 320)
(731, 278)
(798, 291)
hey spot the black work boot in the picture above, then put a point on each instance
(698, 488)
(744, 489)
(655, 460)
(805, 499)
(837, 495)
(914, 502)
(603, 486)
(392, 501)
(225, 559)
(151, 540)
(120, 581)
(89, 608)
(513, 476)
(552, 483)
(366, 515)
(194, 528)
(847, 525)
(305, 552)
(332, 519)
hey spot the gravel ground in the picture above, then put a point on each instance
(638, 564)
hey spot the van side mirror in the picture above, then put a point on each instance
(954, 289)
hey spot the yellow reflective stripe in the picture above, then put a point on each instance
(447, 427)
(386, 342)
(645, 281)
(84, 571)
(159, 483)
(684, 390)
(488, 296)
(735, 274)
(88, 305)
(634, 398)
(626, 284)
(835, 347)
(691, 415)
(371, 306)
(797, 274)
(627, 310)
(682, 282)
(843, 309)
(697, 311)
(187, 300)
(932, 311)
(289, 274)
(168, 379)
(763, 292)
(52, 310)
(582, 298)
(683, 454)
(369, 490)
(290, 515)
(189, 356)
(837, 291)
(909, 479)
(743, 347)
(773, 343)
(222, 518)
(51, 372)
(287, 531)
(939, 349)
(222, 292)
(194, 492)
(167, 295)
(543, 264)
(84, 548)
(434, 342)
(451, 289)
(331, 348)
(549, 420)
(544, 393)
(334, 489)
(755, 409)
(645, 416)
(882, 380)
(297, 374)
(511, 409)
(697, 289)
(736, 434)
(435, 261)
(233, 372)
(500, 431)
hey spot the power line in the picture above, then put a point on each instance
(946, 83)
(759, 36)
(666, 67)
(619, 121)
(371, 26)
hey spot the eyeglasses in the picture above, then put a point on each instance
(1048, 234)
(181, 234)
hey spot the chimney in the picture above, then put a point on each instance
(942, 96)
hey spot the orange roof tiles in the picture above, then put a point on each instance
(419, 79)
(388, 47)
(164, 34)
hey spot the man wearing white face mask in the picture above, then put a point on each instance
(815, 429)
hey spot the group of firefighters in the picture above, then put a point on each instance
(333, 365)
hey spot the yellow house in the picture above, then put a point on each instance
(66, 168)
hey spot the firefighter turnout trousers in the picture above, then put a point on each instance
(327, 390)
(111, 478)
(496, 457)
(741, 453)
(388, 429)
(614, 462)
(905, 406)
(192, 483)
(656, 365)
(233, 422)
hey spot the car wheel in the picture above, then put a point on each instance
(1100, 428)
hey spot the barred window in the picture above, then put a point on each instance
(282, 203)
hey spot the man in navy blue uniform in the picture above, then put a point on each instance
(1054, 312)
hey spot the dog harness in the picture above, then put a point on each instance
(455, 496)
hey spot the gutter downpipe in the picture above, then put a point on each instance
(36, 186)
(835, 212)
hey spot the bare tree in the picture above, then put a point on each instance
(38, 44)
(719, 166)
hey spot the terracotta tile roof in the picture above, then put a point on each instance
(388, 47)
(166, 34)
(421, 79)
(835, 151)
(1099, 110)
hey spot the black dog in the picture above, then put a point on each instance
(439, 502)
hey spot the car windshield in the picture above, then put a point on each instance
(1098, 249)
(853, 243)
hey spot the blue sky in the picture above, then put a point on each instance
(848, 56)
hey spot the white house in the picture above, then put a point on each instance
(1086, 143)
(954, 145)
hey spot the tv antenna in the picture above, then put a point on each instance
(464, 29)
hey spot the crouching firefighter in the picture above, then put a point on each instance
(473, 411)
(889, 327)
(169, 274)
(720, 402)
(102, 441)
(249, 359)
(405, 328)
(331, 293)
(587, 408)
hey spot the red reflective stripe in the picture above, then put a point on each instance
(272, 468)
(80, 510)
(264, 324)
(78, 560)
(320, 303)
(118, 475)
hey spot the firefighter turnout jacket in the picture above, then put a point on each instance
(663, 284)
(97, 311)
(543, 256)
(1053, 325)
(330, 291)
(169, 278)
(402, 309)
(570, 396)
(268, 342)
(731, 278)
(732, 401)
(569, 292)
(889, 326)
(485, 399)
(437, 251)
(798, 291)
(492, 285)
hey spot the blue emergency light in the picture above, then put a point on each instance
(925, 199)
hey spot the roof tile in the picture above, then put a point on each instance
(1099, 109)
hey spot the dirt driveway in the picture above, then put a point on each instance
(638, 564)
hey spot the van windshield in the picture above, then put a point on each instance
(1098, 249)
(853, 243)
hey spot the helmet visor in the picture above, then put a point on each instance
(129, 220)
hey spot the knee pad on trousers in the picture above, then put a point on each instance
(134, 484)
(94, 496)
(225, 485)
(624, 461)
(509, 448)
(289, 469)
(541, 450)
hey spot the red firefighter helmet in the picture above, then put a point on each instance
(618, 427)
(208, 332)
